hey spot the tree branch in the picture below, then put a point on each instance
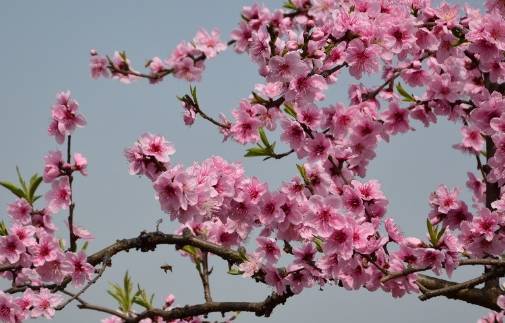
(263, 308)
(485, 297)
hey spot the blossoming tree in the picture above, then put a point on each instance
(327, 226)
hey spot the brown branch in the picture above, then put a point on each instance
(332, 70)
(400, 274)
(88, 285)
(148, 242)
(204, 274)
(485, 297)
(153, 77)
(263, 308)
(85, 305)
(72, 236)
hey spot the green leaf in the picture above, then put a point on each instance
(127, 285)
(288, 108)
(85, 246)
(13, 188)
(319, 243)
(258, 99)
(289, 5)
(192, 90)
(303, 173)
(440, 234)
(21, 181)
(142, 299)
(123, 295)
(61, 242)
(3, 229)
(235, 271)
(263, 137)
(256, 152)
(243, 253)
(192, 251)
(432, 232)
(34, 184)
(406, 96)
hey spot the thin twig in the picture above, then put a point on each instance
(88, 285)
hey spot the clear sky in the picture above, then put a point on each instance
(45, 49)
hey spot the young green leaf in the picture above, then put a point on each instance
(21, 181)
(407, 97)
(263, 137)
(13, 188)
(289, 5)
(319, 243)
(256, 152)
(289, 110)
(235, 271)
(34, 184)
(142, 299)
(3, 229)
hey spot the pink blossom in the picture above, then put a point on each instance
(306, 89)
(54, 270)
(270, 208)
(323, 214)
(340, 240)
(361, 58)
(370, 190)
(80, 164)
(11, 247)
(472, 139)
(60, 195)
(443, 88)
(251, 266)
(44, 303)
(318, 148)
(78, 267)
(20, 211)
(54, 165)
(98, 65)
(25, 233)
(352, 201)
(393, 231)
(170, 188)
(209, 43)
(47, 249)
(274, 279)
(8, 308)
(245, 130)
(396, 119)
(65, 117)
(267, 247)
(149, 156)
(445, 199)
(286, 68)
(292, 134)
(80, 232)
(298, 278)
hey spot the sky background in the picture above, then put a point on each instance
(45, 49)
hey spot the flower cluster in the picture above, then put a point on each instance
(65, 117)
(331, 223)
(29, 246)
(185, 62)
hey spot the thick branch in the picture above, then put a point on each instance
(485, 297)
(148, 242)
(263, 308)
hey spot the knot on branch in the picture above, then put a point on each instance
(146, 242)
